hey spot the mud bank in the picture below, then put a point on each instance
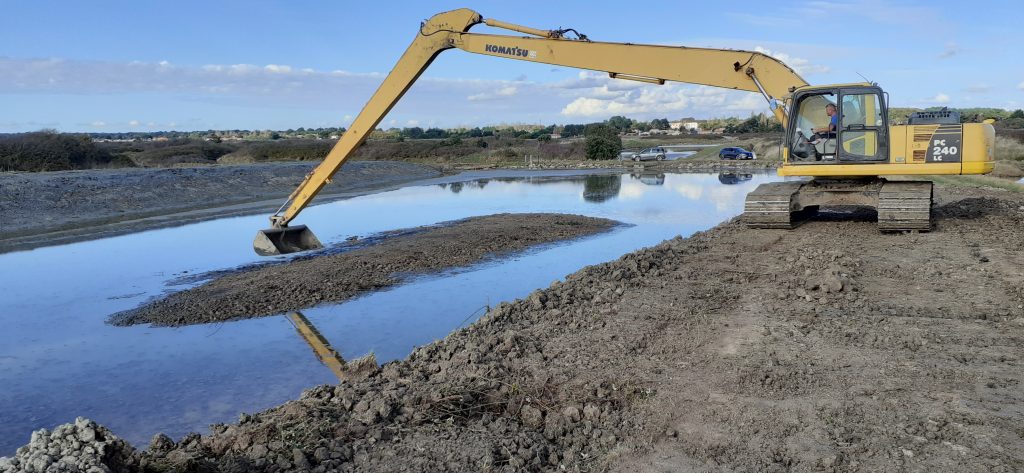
(830, 347)
(275, 288)
(59, 207)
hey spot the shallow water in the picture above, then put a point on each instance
(58, 358)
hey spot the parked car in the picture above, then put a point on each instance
(656, 153)
(735, 153)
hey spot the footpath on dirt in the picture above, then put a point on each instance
(831, 347)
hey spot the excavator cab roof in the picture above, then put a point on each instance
(808, 88)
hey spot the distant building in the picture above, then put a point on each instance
(686, 124)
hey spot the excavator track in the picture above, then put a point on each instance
(771, 205)
(905, 206)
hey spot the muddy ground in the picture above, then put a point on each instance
(831, 347)
(271, 289)
(57, 207)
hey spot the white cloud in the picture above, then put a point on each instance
(278, 68)
(98, 124)
(939, 98)
(503, 92)
(594, 96)
(589, 95)
(800, 65)
(133, 123)
(1020, 86)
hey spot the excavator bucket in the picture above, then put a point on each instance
(284, 240)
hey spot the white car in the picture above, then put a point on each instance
(656, 153)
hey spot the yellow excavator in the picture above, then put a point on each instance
(846, 155)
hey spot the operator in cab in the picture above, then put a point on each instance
(829, 131)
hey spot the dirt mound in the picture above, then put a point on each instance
(275, 288)
(82, 446)
(975, 207)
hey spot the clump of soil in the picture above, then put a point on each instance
(272, 289)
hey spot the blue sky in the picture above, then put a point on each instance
(190, 65)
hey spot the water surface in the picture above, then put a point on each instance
(58, 358)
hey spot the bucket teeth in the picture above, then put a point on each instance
(771, 205)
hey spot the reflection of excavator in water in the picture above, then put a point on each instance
(846, 163)
(326, 353)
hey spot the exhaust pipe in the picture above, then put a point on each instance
(283, 240)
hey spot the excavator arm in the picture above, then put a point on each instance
(732, 69)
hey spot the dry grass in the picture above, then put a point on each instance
(1008, 149)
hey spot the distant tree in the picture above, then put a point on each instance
(569, 131)
(435, 133)
(620, 123)
(481, 143)
(602, 142)
(544, 138)
(413, 133)
(660, 124)
(1017, 114)
(275, 135)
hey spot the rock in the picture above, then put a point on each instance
(572, 413)
(321, 454)
(831, 283)
(161, 444)
(591, 412)
(532, 417)
(299, 459)
(259, 450)
(87, 434)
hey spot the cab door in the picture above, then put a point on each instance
(863, 125)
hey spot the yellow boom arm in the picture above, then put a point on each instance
(732, 69)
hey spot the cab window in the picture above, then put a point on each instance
(861, 123)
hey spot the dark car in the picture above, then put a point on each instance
(735, 153)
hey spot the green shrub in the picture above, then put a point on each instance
(602, 142)
(52, 151)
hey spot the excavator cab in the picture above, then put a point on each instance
(861, 134)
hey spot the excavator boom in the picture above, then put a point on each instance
(732, 69)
